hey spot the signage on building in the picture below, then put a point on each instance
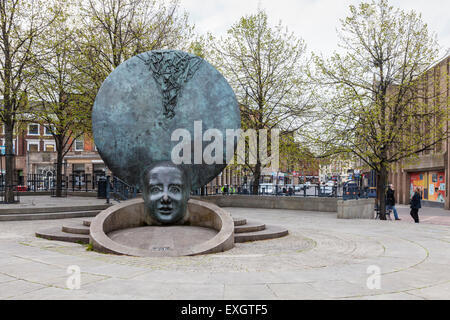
(3, 150)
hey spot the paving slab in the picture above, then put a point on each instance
(321, 258)
(249, 292)
(18, 287)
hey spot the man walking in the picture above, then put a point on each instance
(416, 205)
(390, 201)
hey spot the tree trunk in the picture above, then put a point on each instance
(256, 176)
(59, 177)
(381, 192)
(9, 162)
(59, 164)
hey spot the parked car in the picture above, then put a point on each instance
(22, 188)
(327, 188)
(351, 184)
(267, 188)
(330, 183)
(351, 188)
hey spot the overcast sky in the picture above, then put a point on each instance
(313, 20)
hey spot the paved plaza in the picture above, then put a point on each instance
(321, 258)
(36, 201)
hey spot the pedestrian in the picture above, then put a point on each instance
(416, 205)
(390, 201)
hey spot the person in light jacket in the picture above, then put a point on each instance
(416, 204)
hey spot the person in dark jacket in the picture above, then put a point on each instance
(390, 201)
(416, 204)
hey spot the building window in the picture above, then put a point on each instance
(33, 146)
(79, 144)
(47, 130)
(78, 168)
(33, 129)
(49, 146)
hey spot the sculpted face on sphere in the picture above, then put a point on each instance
(166, 193)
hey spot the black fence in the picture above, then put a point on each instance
(344, 192)
(73, 182)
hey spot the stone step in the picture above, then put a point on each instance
(76, 229)
(250, 226)
(270, 232)
(58, 209)
(57, 235)
(239, 221)
(48, 216)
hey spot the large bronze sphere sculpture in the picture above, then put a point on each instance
(137, 112)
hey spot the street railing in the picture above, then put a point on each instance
(121, 190)
(74, 182)
(344, 192)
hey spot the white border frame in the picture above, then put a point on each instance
(75, 145)
(33, 141)
(33, 134)
(45, 129)
(51, 143)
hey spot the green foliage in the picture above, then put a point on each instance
(265, 67)
(197, 47)
(57, 92)
(375, 89)
(21, 23)
(112, 31)
(379, 105)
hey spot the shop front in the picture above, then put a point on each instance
(432, 184)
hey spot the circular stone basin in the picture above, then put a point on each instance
(155, 238)
(124, 229)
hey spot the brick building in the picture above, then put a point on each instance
(35, 154)
(431, 170)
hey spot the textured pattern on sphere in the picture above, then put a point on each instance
(131, 129)
(171, 69)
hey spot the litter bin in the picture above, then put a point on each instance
(101, 188)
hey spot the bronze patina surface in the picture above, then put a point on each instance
(138, 108)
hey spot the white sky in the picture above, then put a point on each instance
(313, 20)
